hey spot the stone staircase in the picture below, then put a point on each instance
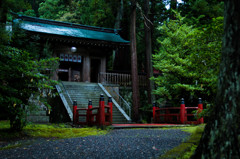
(39, 114)
(82, 93)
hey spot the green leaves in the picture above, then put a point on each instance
(21, 76)
(92, 12)
(188, 59)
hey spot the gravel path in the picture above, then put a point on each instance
(118, 144)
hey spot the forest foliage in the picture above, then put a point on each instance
(188, 59)
(23, 76)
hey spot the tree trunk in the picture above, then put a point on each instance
(134, 68)
(148, 53)
(119, 15)
(117, 25)
(221, 137)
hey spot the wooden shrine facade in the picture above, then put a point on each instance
(83, 50)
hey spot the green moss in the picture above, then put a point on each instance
(49, 131)
(186, 149)
(177, 151)
(5, 124)
(58, 131)
(11, 146)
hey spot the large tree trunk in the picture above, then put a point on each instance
(221, 137)
(148, 53)
(134, 68)
(117, 25)
(119, 15)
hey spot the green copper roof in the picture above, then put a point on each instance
(70, 30)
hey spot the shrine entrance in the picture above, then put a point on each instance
(95, 69)
(70, 71)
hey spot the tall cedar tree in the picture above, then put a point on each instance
(148, 52)
(134, 68)
(221, 137)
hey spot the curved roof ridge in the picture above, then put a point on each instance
(51, 27)
(67, 24)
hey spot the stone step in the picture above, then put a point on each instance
(38, 119)
(38, 113)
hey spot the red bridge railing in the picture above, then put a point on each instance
(177, 114)
(100, 116)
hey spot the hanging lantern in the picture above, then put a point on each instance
(73, 49)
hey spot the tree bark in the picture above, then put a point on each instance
(148, 53)
(134, 68)
(221, 137)
(119, 15)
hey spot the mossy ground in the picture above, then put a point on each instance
(187, 148)
(52, 131)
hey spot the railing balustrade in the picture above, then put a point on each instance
(119, 99)
(120, 79)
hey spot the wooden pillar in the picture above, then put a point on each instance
(75, 116)
(102, 68)
(86, 69)
(101, 111)
(200, 109)
(103, 64)
(89, 114)
(110, 109)
(55, 72)
(154, 112)
(70, 74)
(182, 112)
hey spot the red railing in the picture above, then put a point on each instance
(100, 116)
(177, 114)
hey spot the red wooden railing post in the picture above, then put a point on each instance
(74, 112)
(154, 112)
(110, 111)
(101, 111)
(200, 108)
(89, 113)
(182, 111)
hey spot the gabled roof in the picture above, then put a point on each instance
(51, 27)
